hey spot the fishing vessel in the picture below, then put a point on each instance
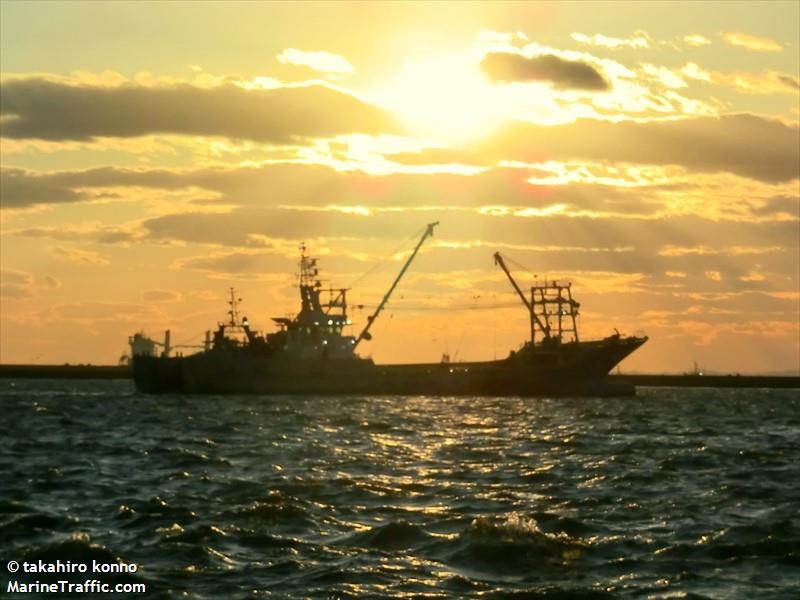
(310, 354)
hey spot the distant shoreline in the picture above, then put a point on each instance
(124, 372)
(714, 381)
(65, 372)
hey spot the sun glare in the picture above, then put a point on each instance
(446, 98)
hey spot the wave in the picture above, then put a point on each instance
(513, 544)
(552, 593)
(273, 512)
(396, 535)
(775, 540)
(34, 524)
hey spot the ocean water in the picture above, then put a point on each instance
(675, 493)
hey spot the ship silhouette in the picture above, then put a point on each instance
(311, 355)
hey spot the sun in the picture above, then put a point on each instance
(447, 98)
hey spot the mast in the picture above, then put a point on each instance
(371, 319)
(234, 310)
(555, 300)
(498, 260)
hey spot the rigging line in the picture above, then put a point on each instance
(464, 329)
(452, 307)
(518, 264)
(494, 326)
(188, 343)
(195, 338)
(386, 258)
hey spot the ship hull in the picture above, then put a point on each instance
(574, 369)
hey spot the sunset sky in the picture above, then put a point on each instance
(156, 154)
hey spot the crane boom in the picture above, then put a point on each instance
(371, 319)
(498, 260)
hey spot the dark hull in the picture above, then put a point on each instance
(565, 370)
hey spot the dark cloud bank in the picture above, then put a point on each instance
(743, 144)
(315, 185)
(41, 109)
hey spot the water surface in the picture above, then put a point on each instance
(674, 493)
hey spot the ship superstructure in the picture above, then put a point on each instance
(318, 329)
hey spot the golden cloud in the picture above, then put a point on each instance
(751, 42)
(325, 62)
(77, 256)
(639, 40)
(696, 40)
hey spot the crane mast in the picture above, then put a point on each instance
(371, 319)
(544, 327)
